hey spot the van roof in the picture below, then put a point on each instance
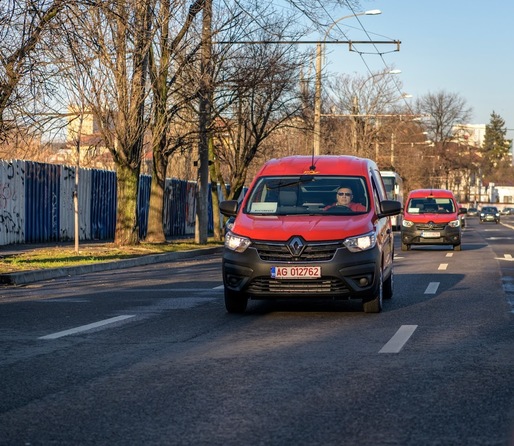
(418, 193)
(323, 165)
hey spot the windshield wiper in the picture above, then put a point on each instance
(301, 180)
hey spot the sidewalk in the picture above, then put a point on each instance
(26, 277)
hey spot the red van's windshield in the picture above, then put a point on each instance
(430, 205)
(307, 195)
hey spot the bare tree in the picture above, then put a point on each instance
(444, 112)
(24, 69)
(111, 43)
(170, 56)
(366, 104)
(264, 96)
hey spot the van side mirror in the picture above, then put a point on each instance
(229, 208)
(463, 211)
(388, 208)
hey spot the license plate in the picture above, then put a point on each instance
(426, 234)
(295, 272)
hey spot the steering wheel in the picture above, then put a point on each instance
(339, 209)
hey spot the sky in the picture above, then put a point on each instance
(458, 46)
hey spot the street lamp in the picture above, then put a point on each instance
(317, 93)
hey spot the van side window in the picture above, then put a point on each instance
(379, 192)
(376, 198)
(378, 184)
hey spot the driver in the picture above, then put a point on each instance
(344, 197)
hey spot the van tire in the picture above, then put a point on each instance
(235, 303)
(389, 286)
(375, 305)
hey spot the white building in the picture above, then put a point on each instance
(472, 134)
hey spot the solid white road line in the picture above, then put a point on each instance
(442, 266)
(432, 288)
(71, 331)
(400, 338)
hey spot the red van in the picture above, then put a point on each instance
(316, 227)
(432, 217)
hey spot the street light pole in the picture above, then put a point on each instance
(317, 91)
(317, 101)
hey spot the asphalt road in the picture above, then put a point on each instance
(148, 355)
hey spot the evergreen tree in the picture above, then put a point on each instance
(495, 148)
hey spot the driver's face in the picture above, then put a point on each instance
(344, 196)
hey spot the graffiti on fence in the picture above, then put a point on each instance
(11, 202)
(36, 203)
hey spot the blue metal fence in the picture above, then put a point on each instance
(36, 203)
(103, 204)
(42, 199)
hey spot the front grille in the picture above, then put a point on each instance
(313, 252)
(265, 285)
(435, 227)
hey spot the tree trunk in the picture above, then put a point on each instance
(155, 232)
(127, 228)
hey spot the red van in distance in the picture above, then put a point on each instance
(316, 227)
(432, 217)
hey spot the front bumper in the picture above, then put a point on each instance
(345, 275)
(421, 235)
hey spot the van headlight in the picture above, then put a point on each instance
(361, 243)
(454, 224)
(407, 223)
(236, 243)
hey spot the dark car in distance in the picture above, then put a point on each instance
(472, 212)
(490, 213)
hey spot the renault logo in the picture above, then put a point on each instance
(296, 246)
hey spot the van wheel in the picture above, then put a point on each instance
(457, 247)
(235, 302)
(389, 286)
(375, 305)
(405, 247)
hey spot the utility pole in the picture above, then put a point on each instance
(202, 219)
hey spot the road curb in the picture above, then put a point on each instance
(25, 277)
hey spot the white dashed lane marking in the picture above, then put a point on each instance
(400, 338)
(82, 328)
(432, 288)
